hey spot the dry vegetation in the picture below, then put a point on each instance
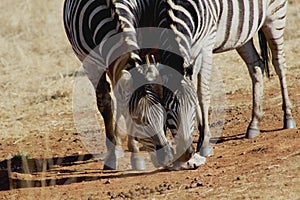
(37, 68)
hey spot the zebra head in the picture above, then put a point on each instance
(180, 101)
(143, 109)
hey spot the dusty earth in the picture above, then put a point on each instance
(43, 156)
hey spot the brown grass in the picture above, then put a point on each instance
(36, 66)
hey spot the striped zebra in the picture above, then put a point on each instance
(207, 27)
(89, 25)
(104, 37)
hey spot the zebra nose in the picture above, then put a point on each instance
(165, 155)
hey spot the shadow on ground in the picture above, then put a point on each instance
(22, 172)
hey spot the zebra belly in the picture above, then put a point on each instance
(231, 43)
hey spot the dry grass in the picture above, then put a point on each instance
(35, 66)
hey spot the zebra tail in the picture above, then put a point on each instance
(264, 51)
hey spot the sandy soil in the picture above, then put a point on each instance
(43, 156)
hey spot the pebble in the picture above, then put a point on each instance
(122, 195)
(144, 188)
(200, 185)
(131, 192)
(127, 195)
(152, 190)
(170, 187)
(162, 192)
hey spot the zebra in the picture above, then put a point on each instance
(90, 25)
(207, 27)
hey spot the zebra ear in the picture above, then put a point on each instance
(126, 81)
(163, 73)
(152, 73)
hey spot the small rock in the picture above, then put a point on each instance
(170, 187)
(162, 192)
(152, 190)
(107, 182)
(122, 195)
(131, 192)
(199, 184)
(127, 195)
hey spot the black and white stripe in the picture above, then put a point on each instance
(103, 36)
(207, 27)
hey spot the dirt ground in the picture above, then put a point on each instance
(43, 156)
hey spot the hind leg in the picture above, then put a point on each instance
(274, 34)
(255, 68)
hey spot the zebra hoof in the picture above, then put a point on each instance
(289, 123)
(107, 167)
(252, 133)
(207, 151)
(110, 162)
(137, 162)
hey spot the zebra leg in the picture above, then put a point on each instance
(203, 89)
(255, 67)
(104, 104)
(120, 132)
(137, 160)
(274, 35)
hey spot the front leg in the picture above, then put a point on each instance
(136, 159)
(104, 104)
(204, 146)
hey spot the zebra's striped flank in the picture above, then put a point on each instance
(207, 27)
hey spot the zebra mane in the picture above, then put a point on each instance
(124, 26)
(176, 11)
